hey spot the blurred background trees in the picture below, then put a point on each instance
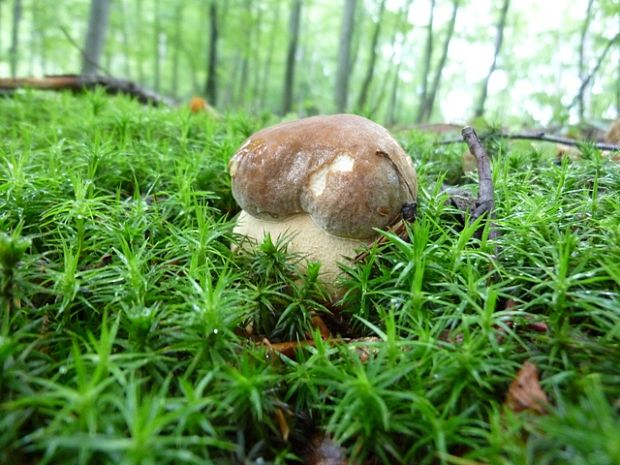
(399, 61)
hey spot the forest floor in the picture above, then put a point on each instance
(125, 315)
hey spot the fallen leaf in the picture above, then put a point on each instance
(525, 392)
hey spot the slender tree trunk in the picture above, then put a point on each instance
(176, 47)
(1, 46)
(41, 40)
(95, 37)
(426, 67)
(344, 55)
(32, 49)
(125, 37)
(582, 52)
(355, 40)
(139, 18)
(618, 81)
(257, 47)
(211, 84)
(264, 86)
(14, 50)
(232, 77)
(289, 77)
(370, 71)
(499, 38)
(245, 55)
(157, 48)
(391, 114)
(400, 20)
(586, 82)
(430, 101)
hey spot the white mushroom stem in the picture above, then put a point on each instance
(304, 237)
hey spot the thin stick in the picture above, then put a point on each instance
(83, 53)
(542, 137)
(485, 202)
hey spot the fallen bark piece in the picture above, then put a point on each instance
(525, 392)
(76, 83)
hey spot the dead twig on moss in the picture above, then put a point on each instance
(485, 202)
(541, 136)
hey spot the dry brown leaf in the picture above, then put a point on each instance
(525, 392)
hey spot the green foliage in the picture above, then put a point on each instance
(131, 330)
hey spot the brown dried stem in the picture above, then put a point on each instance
(485, 202)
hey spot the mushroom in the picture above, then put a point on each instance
(325, 182)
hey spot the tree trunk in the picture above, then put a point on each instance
(582, 62)
(586, 82)
(95, 36)
(14, 50)
(430, 101)
(176, 50)
(1, 47)
(499, 38)
(211, 84)
(125, 38)
(391, 113)
(41, 39)
(264, 85)
(139, 18)
(257, 47)
(400, 20)
(344, 55)
(32, 49)
(245, 54)
(370, 71)
(157, 45)
(426, 68)
(289, 77)
(618, 82)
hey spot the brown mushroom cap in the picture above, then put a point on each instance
(347, 172)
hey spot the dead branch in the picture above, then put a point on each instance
(541, 136)
(590, 76)
(485, 202)
(82, 52)
(76, 83)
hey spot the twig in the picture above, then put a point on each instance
(85, 55)
(542, 137)
(485, 202)
(587, 80)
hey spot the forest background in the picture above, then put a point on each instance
(397, 61)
